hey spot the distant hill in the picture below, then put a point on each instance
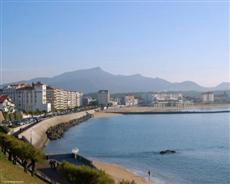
(223, 86)
(94, 79)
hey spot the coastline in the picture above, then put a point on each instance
(40, 140)
(102, 114)
(197, 108)
(119, 172)
(36, 135)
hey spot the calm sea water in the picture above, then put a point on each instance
(202, 142)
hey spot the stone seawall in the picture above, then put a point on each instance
(36, 135)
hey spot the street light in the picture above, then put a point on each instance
(31, 136)
(75, 151)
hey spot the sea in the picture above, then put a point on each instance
(201, 142)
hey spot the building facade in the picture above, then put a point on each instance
(28, 97)
(208, 97)
(162, 99)
(103, 97)
(6, 104)
(61, 99)
(130, 101)
(148, 98)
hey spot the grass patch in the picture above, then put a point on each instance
(10, 173)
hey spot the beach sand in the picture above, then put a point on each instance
(102, 114)
(119, 173)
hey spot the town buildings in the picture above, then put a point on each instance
(129, 101)
(6, 104)
(61, 99)
(40, 97)
(208, 97)
(164, 99)
(88, 100)
(28, 97)
(103, 97)
(148, 98)
(161, 99)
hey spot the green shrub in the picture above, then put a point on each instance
(83, 174)
(4, 129)
(18, 116)
(20, 149)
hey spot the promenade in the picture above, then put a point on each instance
(36, 134)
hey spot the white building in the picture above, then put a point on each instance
(130, 101)
(168, 96)
(6, 104)
(103, 97)
(61, 99)
(208, 97)
(28, 97)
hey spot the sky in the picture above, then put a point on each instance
(173, 40)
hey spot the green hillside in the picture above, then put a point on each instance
(10, 173)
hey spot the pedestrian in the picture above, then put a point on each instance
(149, 175)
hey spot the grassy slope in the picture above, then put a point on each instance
(10, 172)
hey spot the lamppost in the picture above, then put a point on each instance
(31, 136)
(75, 151)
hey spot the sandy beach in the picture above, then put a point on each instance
(119, 172)
(102, 114)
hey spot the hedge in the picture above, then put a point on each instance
(84, 174)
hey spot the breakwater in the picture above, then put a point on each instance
(57, 131)
(36, 134)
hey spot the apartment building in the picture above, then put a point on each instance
(28, 97)
(103, 97)
(208, 97)
(61, 99)
(148, 98)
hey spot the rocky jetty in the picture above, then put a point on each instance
(57, 131)
(167, 152)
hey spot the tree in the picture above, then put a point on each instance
(27, 154)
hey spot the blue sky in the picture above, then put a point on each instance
(173, 40)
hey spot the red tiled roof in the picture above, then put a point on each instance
(3, 98)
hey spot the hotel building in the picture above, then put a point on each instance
(28, 97)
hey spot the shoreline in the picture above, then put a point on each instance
(36, 134)
(118, 172)
(198, 108)
(104, 114)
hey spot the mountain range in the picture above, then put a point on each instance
(94, 79)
